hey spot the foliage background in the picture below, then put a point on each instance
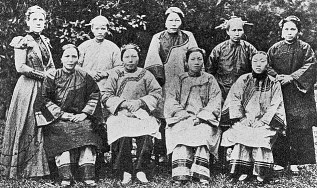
(138, 20)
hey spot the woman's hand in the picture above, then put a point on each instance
(79, 117)
(134, 105)
(67, 116)
(183, 113)
(258, 124)
(97, 76)
(196, 121)
(284, 79)
(246, 122)
(126, 113)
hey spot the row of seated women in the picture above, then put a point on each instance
(61, 119)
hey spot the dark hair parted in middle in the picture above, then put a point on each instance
(67, 46)
(195, 49)
(293, 19)
(130, 46)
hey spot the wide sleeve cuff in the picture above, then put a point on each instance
(113, 104)
(47, 115)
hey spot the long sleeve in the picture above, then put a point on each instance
(212, 111)
(21, 45)
(233, 108)
(50, 111)
(212, 62)
(82, 53)
(109, 98)
(305, 76)
(153, 61)
(270, 55)
(116, 57)
(173, 110)
(93, 97)
(154, 91)
(275, 114)
(192, 40)
(20, 61)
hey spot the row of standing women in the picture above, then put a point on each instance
(231, 101)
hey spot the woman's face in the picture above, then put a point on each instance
(173, 22)
(99, 30)
(289, 31)
(130, 59)
(259, 63)
(36, 22)
(235, 31)
(69, 59)
(195, 62)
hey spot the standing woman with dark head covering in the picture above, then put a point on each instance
(293, 63)
(167, 52)
(22, 150)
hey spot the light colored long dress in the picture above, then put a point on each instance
(250, 101)
(22, 151)
(190, 144)
(166, 57)
(142, 125)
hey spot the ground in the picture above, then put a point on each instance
(162, 178)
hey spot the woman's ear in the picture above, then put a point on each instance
(28, 23)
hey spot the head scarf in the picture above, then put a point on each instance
(175, 10)
(99, 20)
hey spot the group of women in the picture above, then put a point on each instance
(240, 99)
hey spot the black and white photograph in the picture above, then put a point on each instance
(158, 93)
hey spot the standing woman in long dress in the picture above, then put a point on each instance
(22, 154)
(293, 63)
(167, 55)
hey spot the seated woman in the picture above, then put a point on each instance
(255, 109)
(192, 110)
(131, 94)
(71, 114)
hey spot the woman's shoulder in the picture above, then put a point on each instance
(246, 43)
(303, 44)
(85, 44)
(208, 75)
(244, 77)
(22, 42)
(278, 44)
(187, 32)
